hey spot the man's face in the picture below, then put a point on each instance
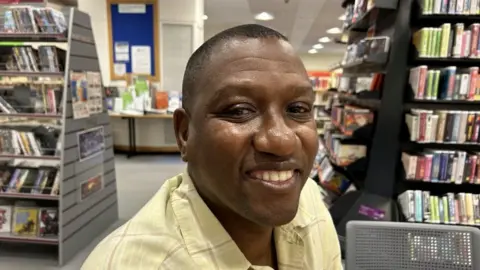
(252, 137)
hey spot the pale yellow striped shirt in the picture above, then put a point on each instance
(176, 230)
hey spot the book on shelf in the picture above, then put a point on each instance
(27, 19)
(341, 153)
(29, 181)
(450, 83)
(448, 41)
(442, 126)
(27, 59)
(48, 222)
(459, 7)
(5, 217)
(350, 118)
(436, 166)
(450, 208)
(26, 218)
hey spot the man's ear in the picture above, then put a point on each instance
(180, 126)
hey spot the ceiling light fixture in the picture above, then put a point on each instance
(324, 40)
(342, 18)
(312, 51)
(264, 16)
(318, 46)
(334, 30)
(205, 17)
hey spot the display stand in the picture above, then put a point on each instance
(386, 176)
(87, 199)
(376, 200)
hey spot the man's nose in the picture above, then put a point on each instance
(275, 137)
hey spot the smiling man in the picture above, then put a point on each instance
(248, 135)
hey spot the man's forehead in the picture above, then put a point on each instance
(263, 48)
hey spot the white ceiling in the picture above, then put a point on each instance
(302, 21)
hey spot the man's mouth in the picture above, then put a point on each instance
(272, 176)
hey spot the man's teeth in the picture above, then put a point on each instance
(273, 175)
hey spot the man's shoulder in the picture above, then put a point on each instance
(148, 239)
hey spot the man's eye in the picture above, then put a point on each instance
(239, 112)
(298, 109)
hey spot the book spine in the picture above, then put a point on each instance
(474, 43)
(422, 82)
(473, 83)
(456, 126)
(428, 168)
(442, 119)
(426, 206)
(463, 126)
(457, 47)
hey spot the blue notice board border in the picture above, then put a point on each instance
(134, 29)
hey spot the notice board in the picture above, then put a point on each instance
(134, 37)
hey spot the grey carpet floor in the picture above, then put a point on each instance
(138, 179)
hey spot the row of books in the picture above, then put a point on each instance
(15, 142)
(455, 167)
(332, 183)
(451, 7)
(421, 206)
(444, 126)
(30, 181)
(26, 58)
(27, 19)
(42, 101)
(25, 219)
(449, 40)
(350, 118)
(449, 83)
(341, 153)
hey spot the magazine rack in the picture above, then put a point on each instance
(87, 204)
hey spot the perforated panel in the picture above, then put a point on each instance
(411, 246)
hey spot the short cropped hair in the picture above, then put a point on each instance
(201, 57)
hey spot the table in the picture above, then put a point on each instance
(132, 139)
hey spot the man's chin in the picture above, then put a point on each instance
(275, 218)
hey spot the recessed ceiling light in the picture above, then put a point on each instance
(342, 18)
(324, 40)
(264, 16)
(205, 17)
(318, 46)
(334, 30)
(312, 51)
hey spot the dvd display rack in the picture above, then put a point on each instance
(423, 161)
(57, 167)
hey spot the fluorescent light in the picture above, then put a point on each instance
(312, 51)
(324, 40)
(334, 30)
(318, 46)
(264, 16)
(342, 18)
(205, 17)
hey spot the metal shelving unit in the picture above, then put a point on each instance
(80, 219)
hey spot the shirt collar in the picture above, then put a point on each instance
(209, 243)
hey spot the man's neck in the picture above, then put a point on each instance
(256, 242)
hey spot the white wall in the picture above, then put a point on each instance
(153, 132)
(172, 11)
(319, 61)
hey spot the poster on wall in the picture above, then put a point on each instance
(91, 186)
(122, 51)
(91, 142)
(141, 61)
